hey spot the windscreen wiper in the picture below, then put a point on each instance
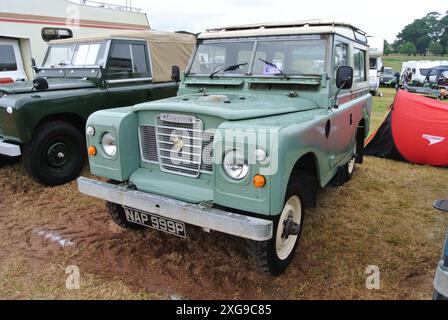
(60, 64)
(230, 68)
(274, 66)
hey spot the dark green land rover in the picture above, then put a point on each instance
(43, 120)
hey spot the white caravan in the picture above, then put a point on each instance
(376, 51)
(419, 69)
(15, 60)
(39, 21)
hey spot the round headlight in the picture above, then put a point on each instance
(235, 165)
(109, 144)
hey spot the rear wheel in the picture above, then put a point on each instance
(119, 217)
(275, 255)
(56, 155)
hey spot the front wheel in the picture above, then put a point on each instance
(275, 255)
(56, 154)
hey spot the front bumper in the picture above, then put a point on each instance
(209, 218)
(8, 149)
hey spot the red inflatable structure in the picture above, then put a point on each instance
(415, 130)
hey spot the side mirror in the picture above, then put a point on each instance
(34, 66)
(344, 78)
(40, 84)
(175, 74)
(382, 69)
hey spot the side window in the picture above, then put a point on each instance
(359, 59)
(128, 59)
(7, 58)
(140, 62)
(340, 56)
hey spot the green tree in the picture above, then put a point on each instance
(436, 48)
(387, 48)
(422, 44)
(408, 49)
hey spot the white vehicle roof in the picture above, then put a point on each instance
(286, 28)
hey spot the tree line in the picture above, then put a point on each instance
(426, 35)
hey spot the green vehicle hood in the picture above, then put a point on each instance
(54, 84)
(231, 106)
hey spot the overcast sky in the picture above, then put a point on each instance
(382, 18)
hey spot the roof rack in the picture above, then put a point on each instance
(293, 24)
(103, 4)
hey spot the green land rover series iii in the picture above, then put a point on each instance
(265, 115)
(43, 121)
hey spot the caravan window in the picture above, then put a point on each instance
(7, 58)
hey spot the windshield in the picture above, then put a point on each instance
(388, 71)
(75, 55)
(264, 57)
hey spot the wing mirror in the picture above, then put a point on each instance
(175, 74)
(344, 81)
(40, 84)
(344, 78)
(34, 66)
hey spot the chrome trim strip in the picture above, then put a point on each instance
(210, 218)
(128, 80)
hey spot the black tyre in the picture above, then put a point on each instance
(56, 155)
(275, 255)
(118, 216)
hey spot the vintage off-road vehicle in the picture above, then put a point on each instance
(44, 120)
(264, 116)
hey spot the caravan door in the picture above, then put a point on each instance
(11, 63)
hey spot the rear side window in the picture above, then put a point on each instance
(359, 59)
(128, 59)
(7, 58)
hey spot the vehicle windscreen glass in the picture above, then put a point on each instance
(91, 54)
(59, 55)
(292, 57)
(75, 55)
(7, 58)
(211, 57)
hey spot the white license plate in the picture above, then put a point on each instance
(154, 221)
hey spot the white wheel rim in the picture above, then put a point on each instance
(293, 209)
(352, 163)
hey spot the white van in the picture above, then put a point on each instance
(14, 64)
(419, 69)
(376, 50)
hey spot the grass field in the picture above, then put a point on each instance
(383, 217)
(396, 61)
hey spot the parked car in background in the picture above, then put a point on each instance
(388, 78)
(265, 115)
(43, 121)
(441, 278)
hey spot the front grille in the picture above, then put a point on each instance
(148, 143)
(178, 144)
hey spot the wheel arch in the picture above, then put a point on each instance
(72, 118)
(305, 168)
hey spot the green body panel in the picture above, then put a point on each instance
(297, 117)
(297, 123)
(68, 97)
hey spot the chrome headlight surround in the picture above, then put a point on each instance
(109, 144)
(235, 165)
